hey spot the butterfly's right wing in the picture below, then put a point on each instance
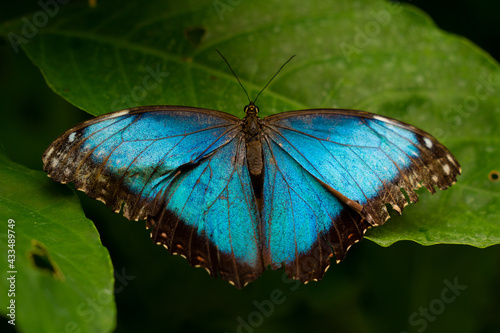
(329, 175)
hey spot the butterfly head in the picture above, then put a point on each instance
(251, 109)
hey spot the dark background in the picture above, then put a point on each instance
(374, 289)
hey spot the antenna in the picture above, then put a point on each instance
(255, 100)
(242, 84)
(228, 65)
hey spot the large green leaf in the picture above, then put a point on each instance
(62, 275)
(364, 54)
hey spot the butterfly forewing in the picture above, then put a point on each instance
(127, 157)
(366, 157)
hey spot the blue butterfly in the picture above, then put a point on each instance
(236, 196)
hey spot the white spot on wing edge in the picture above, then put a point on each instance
(54, 163)
(450, 158)
(446, 169)
(50, 151)
(71, 137)
(120, 113)
(428, 143)
(385, 120)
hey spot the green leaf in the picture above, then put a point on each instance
(63, 277)
(384, 58)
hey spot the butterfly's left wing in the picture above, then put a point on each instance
(338, 169)
(183, 169)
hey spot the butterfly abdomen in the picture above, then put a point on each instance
(254, 157)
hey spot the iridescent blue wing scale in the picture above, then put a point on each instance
(334, 171)
(183, 169)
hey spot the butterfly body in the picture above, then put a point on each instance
(236, 196)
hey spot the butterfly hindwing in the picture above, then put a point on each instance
(303, 222)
